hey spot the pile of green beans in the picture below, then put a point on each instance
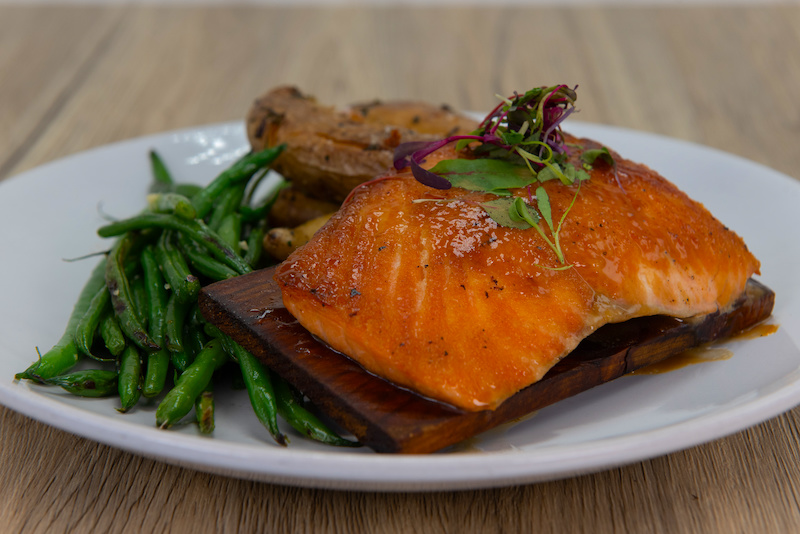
(138, 315)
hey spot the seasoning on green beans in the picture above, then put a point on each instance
(158, 360)
(196, 229)
(130, 378)
(179, 401)
(175, 318)
(175, 203)
(111, 333)
(205, 265)
(121, 297)
(90, 321)
(141, 303)
(89, 383)
(184, 285)
(230, 231)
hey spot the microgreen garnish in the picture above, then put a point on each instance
(518, 144)
(593, 154)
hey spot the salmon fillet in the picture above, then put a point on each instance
(436, 297)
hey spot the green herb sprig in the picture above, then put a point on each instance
(517, 145)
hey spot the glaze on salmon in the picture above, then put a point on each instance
(436, 297)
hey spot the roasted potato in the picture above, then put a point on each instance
(329, 152)
(293, 207)
(280, 242)
(422, 118)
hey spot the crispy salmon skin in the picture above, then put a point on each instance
(423, 288)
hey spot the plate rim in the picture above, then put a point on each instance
(516, 466)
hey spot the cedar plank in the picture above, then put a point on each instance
(391, 419)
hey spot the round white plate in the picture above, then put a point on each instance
(52, 212)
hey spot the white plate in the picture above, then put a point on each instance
(52, 212)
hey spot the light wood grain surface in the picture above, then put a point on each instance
(79, 77)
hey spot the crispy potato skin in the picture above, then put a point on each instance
(421, 117)
(329, 152)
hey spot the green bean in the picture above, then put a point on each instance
(159, 169)
(229, 201)
(205, 265)
(302, 420)
(260, 212)
(87, 326)
(90, 383)
(193, 340)
(130, 378)
(112, 334)
(99, 309)
(240, 171)
(176, 272)
(230, 231)
(175, 318)
(171, 203)
(64, 354)
(258, 384)
(121, 298)
(180, 361)
(253, 184)
(156, 373)
(157, 361)
(204, 410)
(197, 230)
(187, 190)
(180, 399)
(139, 296)
(156, 295)
(212, 330)
(255, 245)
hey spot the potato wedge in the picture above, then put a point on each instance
(280, 242)
(329, 152)
(421, 117)
(293, 208)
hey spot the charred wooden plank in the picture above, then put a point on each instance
(391, 419)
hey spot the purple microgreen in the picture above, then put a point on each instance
(404, 152)
(428, 178)
(519, 143)
(417, 151)
(557, 146)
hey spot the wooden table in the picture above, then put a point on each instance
(78, 77)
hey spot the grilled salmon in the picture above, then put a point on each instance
(423, 288)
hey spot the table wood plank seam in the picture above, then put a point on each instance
(77, 77)
(82, 73)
